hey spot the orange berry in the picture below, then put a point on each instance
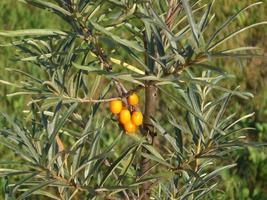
(133, 99)
(115, 106)
(125, 116)
(137, 118)
(129, 127)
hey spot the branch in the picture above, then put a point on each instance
(151, 93)
(123, 94)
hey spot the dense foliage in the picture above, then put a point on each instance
(71, 147)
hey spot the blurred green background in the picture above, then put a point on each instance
(248, 181)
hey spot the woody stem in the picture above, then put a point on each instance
(150, 108)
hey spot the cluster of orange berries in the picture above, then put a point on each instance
(129, 120)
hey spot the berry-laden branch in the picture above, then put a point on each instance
(123, 95)
(150, 104)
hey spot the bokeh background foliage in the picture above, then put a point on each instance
(247, 181)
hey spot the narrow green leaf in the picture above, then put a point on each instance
(220, 113)
(153, 151)
(229, 36)
(156, 159)
(228, 21)
(59, 124)
(116, 163)
(191, 20)
(24, 138)
(32, 32)
(165, 134)
(127, 43)
(24, 180)
(47, 5)
(46, 194)
(34, 189)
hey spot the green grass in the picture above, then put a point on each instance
(16, 15)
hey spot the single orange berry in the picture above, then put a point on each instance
(137, 118)
(125, 116)
(115, 106)
(133, 99)
(129, 127)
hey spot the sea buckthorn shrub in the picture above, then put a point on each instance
(131, 104)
